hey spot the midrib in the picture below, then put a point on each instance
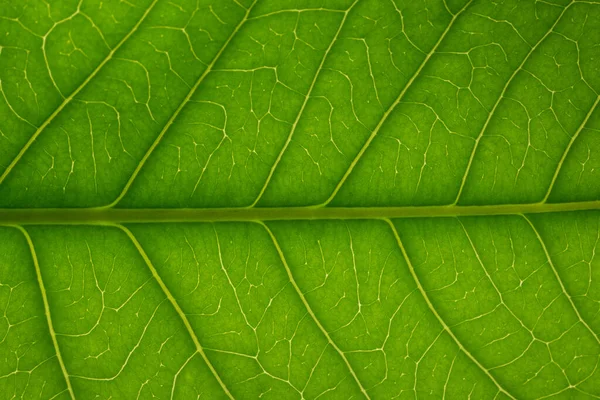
(99, 216)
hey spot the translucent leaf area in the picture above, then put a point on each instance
(299, 199)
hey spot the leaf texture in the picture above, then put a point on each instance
(299, 199)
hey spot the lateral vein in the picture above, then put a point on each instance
(435, 313)
(493, 110)
(182, 105)
(568, 149)
(310, 311)
(178, 309)
(558, 278)
(38, 273)
(68, 99)
(393, 106)
(310, 90)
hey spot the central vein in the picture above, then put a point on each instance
(162, 215)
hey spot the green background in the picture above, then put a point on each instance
(299, 199)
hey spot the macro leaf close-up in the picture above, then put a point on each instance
(299, 199)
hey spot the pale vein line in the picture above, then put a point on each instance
(493, 111)
(68, 99)
(309, 309)
(435, 313)
(182, 105)
(560, 282)
(94, 216)
(178, 309)
(310, 90)
(38, 273)
(393, 106)
(568, 149)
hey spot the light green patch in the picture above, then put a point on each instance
(299, 199)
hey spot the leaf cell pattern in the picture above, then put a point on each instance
(484, 106)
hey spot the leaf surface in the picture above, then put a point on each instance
(299, 199)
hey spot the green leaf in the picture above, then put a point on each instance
(299, 199)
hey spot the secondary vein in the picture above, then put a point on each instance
(393, 106)
(558, 278)
(310, 311)
(435, 313)
(178, 309)
(295, 125)
(182, 105)
(68, 99)
(38, 273)
(500, 97)
(568, 149)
